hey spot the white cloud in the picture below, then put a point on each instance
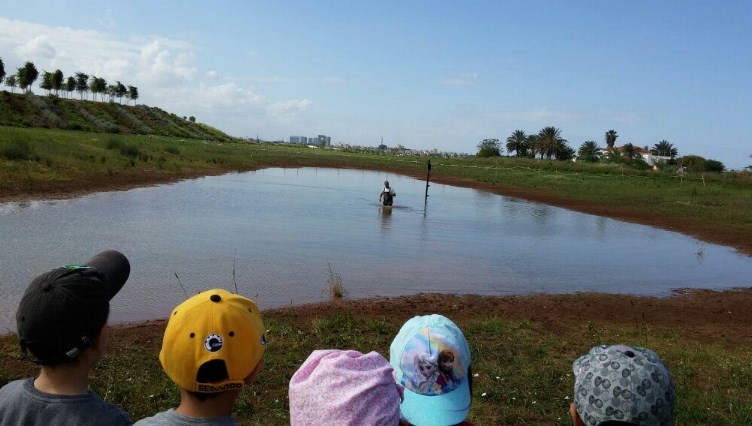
(211, 74)
(468, 79)
(287, 110)
(159, 65)
(38, 47)
(219, 97)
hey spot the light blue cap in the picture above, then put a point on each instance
(430, 357)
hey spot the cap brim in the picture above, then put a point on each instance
(438, 410)
(114, 266)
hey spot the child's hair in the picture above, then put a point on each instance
(344, 387)
(625, 384)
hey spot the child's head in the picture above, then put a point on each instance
(432, 403)
(622, 384)
(213, 342)
(63, 311)
(344, 388)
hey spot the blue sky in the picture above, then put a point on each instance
(423, 74)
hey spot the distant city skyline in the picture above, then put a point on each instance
(423, 74)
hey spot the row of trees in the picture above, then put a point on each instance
(55, 81)
(548, 143)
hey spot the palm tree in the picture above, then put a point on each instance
(611, 138)
(589, 151)
(629, 151)
(517, 143)
(532, 145)
(550, 142)
(613, 156)
(665, 149)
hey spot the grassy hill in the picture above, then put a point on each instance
(29, 110)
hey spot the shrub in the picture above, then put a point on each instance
(16, 150)
(336, 288)
(130, 151)
(714, 166)
(113, 143)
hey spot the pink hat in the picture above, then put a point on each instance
(344, 388)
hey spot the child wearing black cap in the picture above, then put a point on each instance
(62, 326)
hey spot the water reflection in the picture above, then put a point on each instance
(700, 253)
(386, 217)
(275, 230)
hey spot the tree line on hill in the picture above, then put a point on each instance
(548, 143)
(82, 83)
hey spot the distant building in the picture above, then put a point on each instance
(299, 139)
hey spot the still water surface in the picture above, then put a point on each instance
(279, 229)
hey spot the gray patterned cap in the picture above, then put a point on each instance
(623, 383)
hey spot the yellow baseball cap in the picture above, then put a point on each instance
(213, 341)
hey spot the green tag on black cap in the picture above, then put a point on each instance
(76, 266)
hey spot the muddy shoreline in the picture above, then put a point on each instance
(719, 317)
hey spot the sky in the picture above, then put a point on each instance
(422, 74)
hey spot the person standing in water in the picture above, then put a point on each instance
(387, 194)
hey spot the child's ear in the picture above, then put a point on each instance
(576, 420)
(100, 341)
(249, 379)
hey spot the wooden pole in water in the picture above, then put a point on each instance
(428, 177)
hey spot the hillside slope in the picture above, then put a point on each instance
(29, 110)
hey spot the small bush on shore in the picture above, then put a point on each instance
(336, 288)
(16, 150)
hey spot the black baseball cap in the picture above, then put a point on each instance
(64, 309)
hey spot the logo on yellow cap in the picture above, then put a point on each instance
(213, 342)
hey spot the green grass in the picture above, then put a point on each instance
(522, 371)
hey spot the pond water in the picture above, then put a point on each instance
(276, 232)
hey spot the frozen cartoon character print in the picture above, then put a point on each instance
(427, 375)
(431, 360)
(429, 364)
(446, 378)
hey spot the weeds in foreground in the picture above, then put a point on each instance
(336, 288)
